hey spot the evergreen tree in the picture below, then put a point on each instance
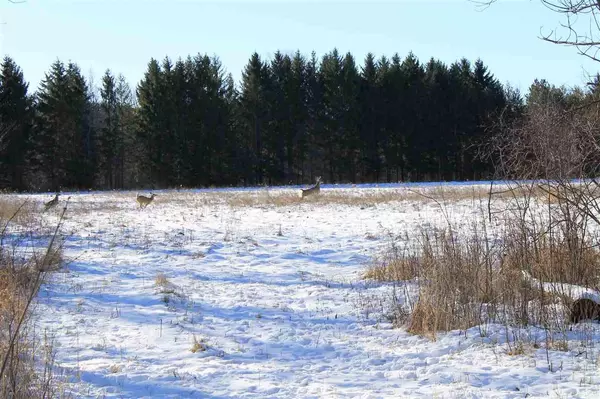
(255, 111)
(129, 150)
(238, 145)
(394, 100)
(280, 122)
(332, 111)
(64, 137)
(542, 93)
(219, 89)
(435, 136)
(489, 99)
(15, 124)
(315, 114)
(110, 143)
(298, 96)
(292, 119)
(192, 145)
(348, 159)
(413, 123)
(151, 100)
(81, 159)
(370, 119)
(118, 152)
(51, 125)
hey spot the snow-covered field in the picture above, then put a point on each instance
(255, 293)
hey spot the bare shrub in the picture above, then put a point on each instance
(546, 251)
(556, 147)
(476, 278)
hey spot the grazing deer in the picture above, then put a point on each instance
(52, 203)
(144, 201)
(316, 189)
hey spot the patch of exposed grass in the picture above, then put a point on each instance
(17, 211)
(198, 345)
(161, 280)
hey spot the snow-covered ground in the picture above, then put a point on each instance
(255, 293)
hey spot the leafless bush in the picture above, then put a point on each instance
(545, 252)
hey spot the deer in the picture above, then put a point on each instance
(144, 201)
(316, 189)
(52, 203)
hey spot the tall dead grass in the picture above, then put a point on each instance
(527, 272)
(25, 364)
(356, 196)
(15, 211)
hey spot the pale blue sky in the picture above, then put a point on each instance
(123, 35)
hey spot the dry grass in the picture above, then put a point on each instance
(456, 280)
(119, 201)
(115, 368)
(355, 196)
(282, 197)
(15, 282)
(161, 280)
(396, 270)
(17, 211)
(198, 345)
(564, 261)
(393, 267)
(166, 287)
(20, 279)
(507, 277)
(518, 349)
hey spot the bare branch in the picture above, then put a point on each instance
(585, 39)
(482, 5)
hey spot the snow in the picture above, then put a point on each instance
(273, 297)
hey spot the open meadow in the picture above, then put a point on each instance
(260, 293)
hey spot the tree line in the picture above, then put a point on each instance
(289, 119)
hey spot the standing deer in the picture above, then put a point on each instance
(52, 203)
(144, 201)
(316, 189)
